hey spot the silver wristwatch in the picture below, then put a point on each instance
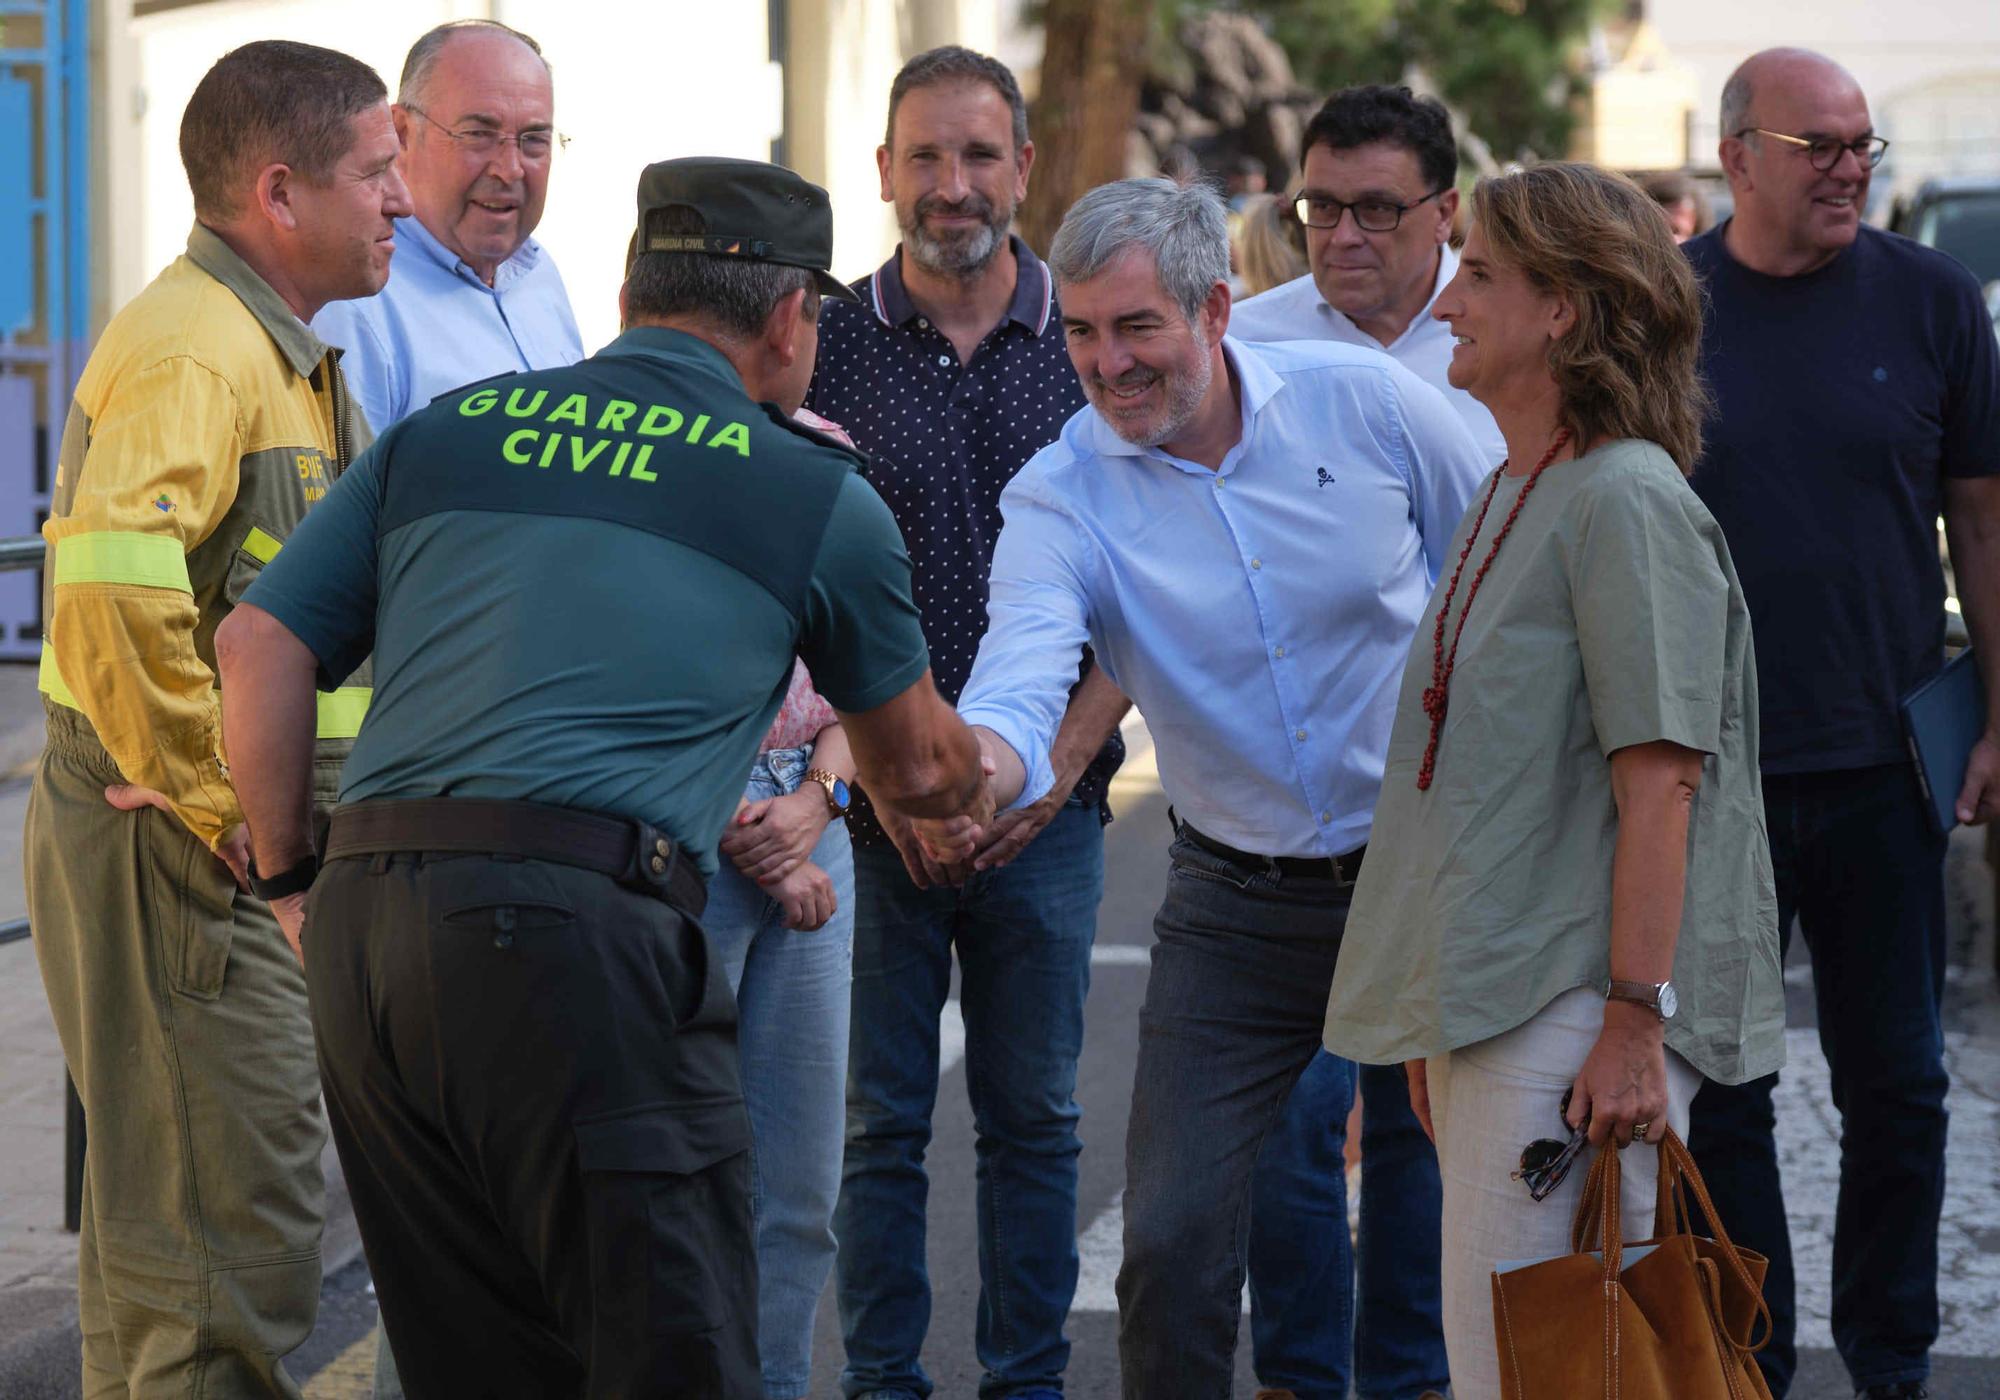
(1657, 997)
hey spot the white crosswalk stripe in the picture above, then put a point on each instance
(951, 1038)
(1100, 1249)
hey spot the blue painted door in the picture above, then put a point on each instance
(44, 270)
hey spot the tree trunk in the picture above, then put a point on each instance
(1092, 62)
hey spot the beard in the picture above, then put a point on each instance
(962, 253)
(1184, 392)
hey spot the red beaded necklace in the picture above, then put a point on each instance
(1436, 694)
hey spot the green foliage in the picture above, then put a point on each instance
(1509, 66)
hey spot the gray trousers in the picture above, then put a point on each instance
(1234, 1011)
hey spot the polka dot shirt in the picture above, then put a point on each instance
(945, 439)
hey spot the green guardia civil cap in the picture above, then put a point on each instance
(741, 209)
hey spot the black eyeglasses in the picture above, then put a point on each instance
(1823, 151)
(485, 142)
(1545, 1162)
(1323, 211)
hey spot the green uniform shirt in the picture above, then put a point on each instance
(586, 586)
(1611, 617)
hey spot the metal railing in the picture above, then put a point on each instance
(24, 552)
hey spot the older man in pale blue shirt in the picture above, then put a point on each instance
(436, 326)
(1246, 536)
(470, 293)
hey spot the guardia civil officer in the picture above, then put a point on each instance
(584, 589)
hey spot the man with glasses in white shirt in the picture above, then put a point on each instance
(1377, 200)
(473, 295)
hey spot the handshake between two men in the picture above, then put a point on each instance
(944, 848)
(938, 786)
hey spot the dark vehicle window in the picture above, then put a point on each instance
(1967, 227)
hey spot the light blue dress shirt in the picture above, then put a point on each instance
(436, 326)
(1259, 615)
(1296, 311)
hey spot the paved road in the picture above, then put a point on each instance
(336, 1362)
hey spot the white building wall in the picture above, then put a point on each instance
(1931, 69)
(635, 81)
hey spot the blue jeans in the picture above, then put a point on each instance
(1303, 1291)
(1022, 934)
(1233, 1015)
(792, 1008)
(1856, 860)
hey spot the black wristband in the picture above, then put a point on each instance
(296, 880)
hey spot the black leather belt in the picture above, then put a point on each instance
(634, 854)
(1344, 869)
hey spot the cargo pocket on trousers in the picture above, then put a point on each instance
(667, 1201)
(194, 902)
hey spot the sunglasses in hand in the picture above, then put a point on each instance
(1545, 1161)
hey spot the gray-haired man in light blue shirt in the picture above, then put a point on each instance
(470, 294)
(1245, 535)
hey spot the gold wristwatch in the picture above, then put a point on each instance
(837, 796)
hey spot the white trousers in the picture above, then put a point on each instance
(1488, 1101)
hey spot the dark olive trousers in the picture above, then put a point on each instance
(182, 1017)
(531, 1077)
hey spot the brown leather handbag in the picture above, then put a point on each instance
(1673, 1324)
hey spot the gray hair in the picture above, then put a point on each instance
(424, 54)
(1736, 96)
(735, 295)
(952, 64)
(1184, 227)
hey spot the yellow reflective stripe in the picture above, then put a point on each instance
(51, 682)
(122, 556)
(341, 711)
(260, 546)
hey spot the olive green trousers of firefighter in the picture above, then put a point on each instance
(182, 1014)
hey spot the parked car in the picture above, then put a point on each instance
(1961, 216)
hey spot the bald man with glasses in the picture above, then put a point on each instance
(1858, 398)
(474, 295)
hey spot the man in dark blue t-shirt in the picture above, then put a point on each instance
(1858, 389)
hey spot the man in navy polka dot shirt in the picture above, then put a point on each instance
(951, 373)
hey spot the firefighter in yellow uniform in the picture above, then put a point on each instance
(208, 421)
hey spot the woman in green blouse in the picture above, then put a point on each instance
(1568, 888)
